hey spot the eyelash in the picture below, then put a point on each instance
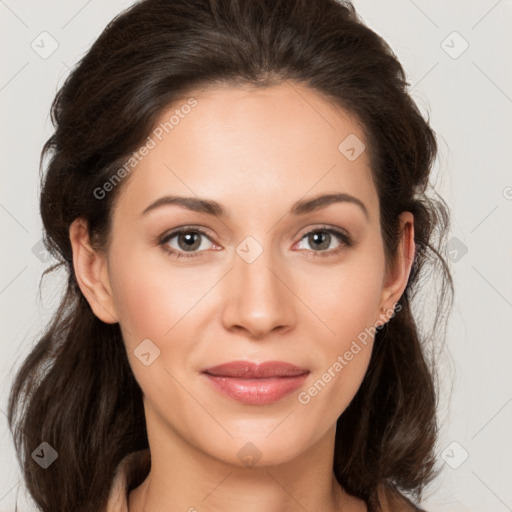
(345, 239)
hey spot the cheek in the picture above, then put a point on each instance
(150, 299)
(155, 304)
(347, 301)
(347, 297)
(343, 357)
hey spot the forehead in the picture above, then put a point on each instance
(251, 148)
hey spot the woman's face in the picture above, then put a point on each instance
(267, 280)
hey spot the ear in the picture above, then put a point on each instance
(91, 272)
(397, 275)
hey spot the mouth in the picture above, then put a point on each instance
(256, 384)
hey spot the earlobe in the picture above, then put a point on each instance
(91, 272)
(398, 275)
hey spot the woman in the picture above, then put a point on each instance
(238, 192)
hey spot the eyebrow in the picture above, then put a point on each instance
(214, 208)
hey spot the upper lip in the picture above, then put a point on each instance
(250, 370)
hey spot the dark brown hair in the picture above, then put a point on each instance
(76, 390)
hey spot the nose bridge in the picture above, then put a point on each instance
(258, 300)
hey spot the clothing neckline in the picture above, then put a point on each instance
(130, 473)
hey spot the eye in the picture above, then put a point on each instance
(185, 240)
(321, 241)
(189, 242)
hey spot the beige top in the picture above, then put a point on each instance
(130, 473)
(134, 468)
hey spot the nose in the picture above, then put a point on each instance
(258, 299)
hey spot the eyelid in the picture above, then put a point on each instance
(324, 227)
(185, 229)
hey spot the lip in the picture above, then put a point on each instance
(256, 384)
(250, 370)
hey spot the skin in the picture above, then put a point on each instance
(256, 152)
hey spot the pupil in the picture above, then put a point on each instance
(317, 237)
(190, 243)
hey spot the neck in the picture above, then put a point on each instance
(183, 478)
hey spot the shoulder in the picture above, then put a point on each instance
(392, 500)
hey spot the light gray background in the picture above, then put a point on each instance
(469, 99)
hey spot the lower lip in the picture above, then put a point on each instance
(257, 391)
